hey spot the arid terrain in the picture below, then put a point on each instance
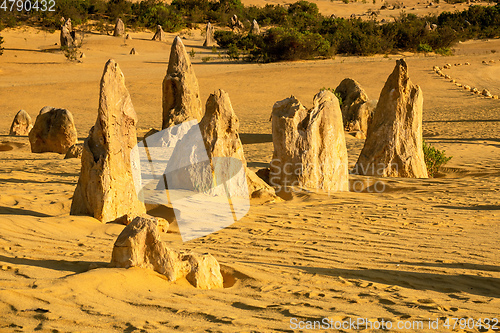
(419, 250)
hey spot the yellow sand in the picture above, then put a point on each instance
(421, 249)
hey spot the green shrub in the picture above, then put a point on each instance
(71, 53)
(226, 38)
(233, 52)
(205, 59)
(445, 51)
(151, 13)
(434, 159)
(291, 44)
(424, 48)
(192, 53)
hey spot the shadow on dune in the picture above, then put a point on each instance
(466, 139)
(58, 265)
(463, 121)
(478, 285)
(459, 265)
(250, 138)
(257, 165)
(19, 211)
(475, 207)
(49, 50)
(24, 181)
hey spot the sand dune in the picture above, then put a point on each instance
(420, 249)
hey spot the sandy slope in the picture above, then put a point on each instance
(420, 249)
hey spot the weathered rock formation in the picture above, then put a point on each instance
(181, 94)
(105, 189)
(21, 125)
(54, 131)
(209, 36)
(75, 151)
(219, 129)
(236, 23)
(119, 28)
(255, 28)
(354, 107)
(393, 146)
(68, 25)
(220, 161)
(133, 51)
(65, 38)
(309, 145)
(159, 36)
(139, 245)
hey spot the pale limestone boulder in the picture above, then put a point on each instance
(309, 145)
(255, 28)
(236, 23)
(159, 35)
(353, 97)
(393, 146)
(209, 36)
(364, 114)
(54, 131)
(181, 93)
(75, 151)
(21, 125)
(219, 129)
(119, 28)
(105, 189)
(219, 161)
(486, 93)
(65, 38)
(68, 24)
(139, 245)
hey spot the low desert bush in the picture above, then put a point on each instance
(434, 159)
(424, 48)
(298, 30)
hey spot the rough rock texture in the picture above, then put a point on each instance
(353, 97)
(75, 151)
(161, 224)
(65, 38)
(309, 145)
(53, 131)
(219, 129)
(236, 23)
(21, 125)
(105, 189)
(159, 36)
(209, 36)
(255, 28)
(68, 24)
(363, 116)
(486, 93)
(181, 94)
(139, 245)
(393, 146)
(119, 28)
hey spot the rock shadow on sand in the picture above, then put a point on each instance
(57, 265)
(251, 138)
(19, 211)
(472, 284)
